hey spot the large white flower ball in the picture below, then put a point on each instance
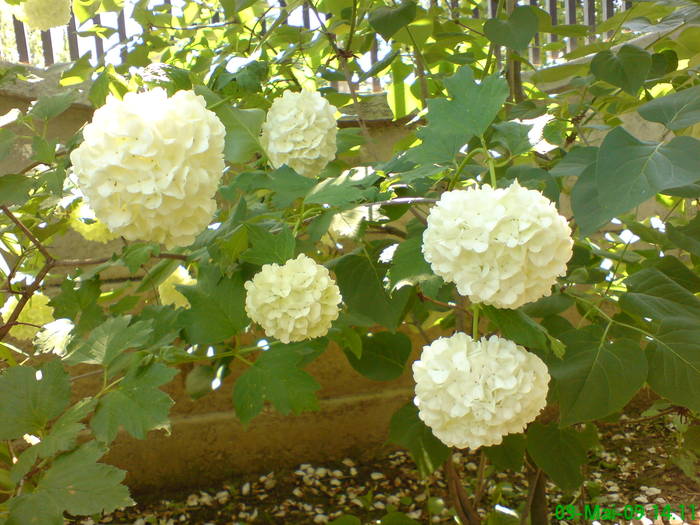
(504, 247)
(43, 14)
(472, 393)
(293, 302)
(34, 315)
(300, 131)
(151, 164)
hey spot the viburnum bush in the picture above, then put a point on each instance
(524, 226)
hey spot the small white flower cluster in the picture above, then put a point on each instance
(472, 393)
(169, 294)
(54, 337)
(43, 14)
(35, 313)
(293, 302)
(83, 220)
(503, 247)
(300, 131)
(150, 165)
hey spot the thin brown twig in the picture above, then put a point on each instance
(460, 500)
(29, 234)
(479, 492)
(24, 299)
(530, 495)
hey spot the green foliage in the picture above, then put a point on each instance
(625, 314)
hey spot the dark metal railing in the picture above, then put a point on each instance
(586, 12)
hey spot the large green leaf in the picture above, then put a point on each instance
(14, 189)
(78, 301)
(686, 237)
(674, 362)
(596, 377)
(76, 483)
(383, 356)
(516, 32)
(675, 111)
(277, 377)
(51, 106)
(513, 136)
(559, 452)
(408, 264)
(518, 327)
(452, 123)
(653, 294)
(388, 20)
(575, 161)
(510, 454)
(108, 340)
(628, 172)
(30, 398)
(137, 404)
(407, 430)
(360, 283)
(217, 306)
(266, 247)
(626, 69)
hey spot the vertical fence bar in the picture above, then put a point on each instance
(608, 8)
(570, 7)
(589, 17)
(73, 39)
(99, 45)
(552, 9)
(535, 57)
(454, 9)
(21, 39)
(306, 16)
(374, 58)
(492, 13)
(47, 47)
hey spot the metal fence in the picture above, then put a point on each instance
(584, 12)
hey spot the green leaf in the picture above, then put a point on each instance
(28, 403)
(217, 306)
(510, 454)
(559, 452)
(109, 340)
(79, 72)
(686, 237)
(198, 381)
(63, 436)
(137, 404)
(628, 172)
(452, 123)
(512, 135)
(341, 191)
(288, 186)
(407, 430)
(85, 9)
(397, 518)
(408, 264)
(79, 304)
(518, 327)
(242, 127)
(51, 106)
(346, 519)
(626, 69)
(388, 20)
(653, 294)
(7, 140)
(266, 247)
(675, 111)
(597, 376)
(75, 483)
(360, 284)
(136, 255)
(383, 356)
(575, 162)
(674, 362)
(276, 377)
(534, 179)
(514, 33)
(14, 189)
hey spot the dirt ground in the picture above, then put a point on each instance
(632, 466)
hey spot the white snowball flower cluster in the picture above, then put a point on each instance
(472, 393)
(293, 302)
(35, 313)
(150, 165)
(503, 247)
(300, 131)
(43, 14)
(169, 294)
(83, 220)
(54, 337)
